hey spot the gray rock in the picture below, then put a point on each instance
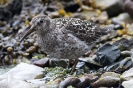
(25, 71)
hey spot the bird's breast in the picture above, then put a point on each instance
(63, 46)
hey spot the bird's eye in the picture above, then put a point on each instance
(41, 21)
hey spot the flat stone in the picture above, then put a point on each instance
(26, 71)
(127, 84)
(7, 81)
(127, 75)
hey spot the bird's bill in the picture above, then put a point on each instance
(27, 33)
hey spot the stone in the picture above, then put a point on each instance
(113, 7)
(107, 54)
(108, 79)
(127, 84)
(25, 71)
(127, 75)
(7, 81)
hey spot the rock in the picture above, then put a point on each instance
(107, 54)
(128, 84)
(124, 43)
(131, 53)
(113, 7)
(112, 74)
(101, 18)
(7, 81)
(82, 82)
(71, 6)
(125, 53)
(106, 82)
(86, 14)
(86, 80)
(25, 71)
(42, 62)
(122, 18)
(55, 62)
(9, 49)
(90, 60)
(69, 81)
(108, 79)
(31, 49)
(129, 29)
(34, 59)
(7, 60)
(128, 7)
(127, 75)
(120, 66)
(10, 9)
(80, 65)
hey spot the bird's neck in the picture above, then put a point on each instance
(45, 32)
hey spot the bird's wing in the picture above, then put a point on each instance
(82, 29)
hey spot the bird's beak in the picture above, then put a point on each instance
(32, 29)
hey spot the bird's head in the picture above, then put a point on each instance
(40, 23)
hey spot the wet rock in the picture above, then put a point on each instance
(80, 65)
(90, 60)
(82, 82)
(127, 84)
(127, 75)
(56, 62)
(7, 81)
(107, 54)
(108, 79)
(86, 80)
(106, 82)
(124, 44)
(25, 71)
(125, 53)
(42, 62)
(128, 7)
(120, 66)
(112, 74)
(73, 81)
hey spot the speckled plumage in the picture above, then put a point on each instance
(65, 38)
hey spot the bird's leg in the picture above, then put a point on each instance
(75, 63)
(68, 66)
